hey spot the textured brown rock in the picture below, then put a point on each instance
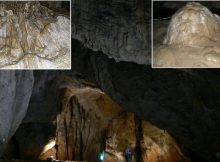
(120, 133)
(158, 145)
(149, 142)
(33, 37)
(84, 116)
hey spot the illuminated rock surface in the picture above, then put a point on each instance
(33, 37)
(89, 121)
(149, 142)
(193, 25)
(192, 39)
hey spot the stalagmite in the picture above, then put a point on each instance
(192, 39)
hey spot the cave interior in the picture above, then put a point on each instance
(108, 102)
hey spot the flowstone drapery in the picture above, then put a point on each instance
(33, 37)
(192, 39)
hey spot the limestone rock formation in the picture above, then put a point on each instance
(192, 117)
(33, 37)
(149, 142)
(88, 122)
(120, 29)
(16, 88)
(192, 39)
(158, 145)
(193, 25)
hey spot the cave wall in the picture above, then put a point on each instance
(16, 88)
(192, 117)
(183, 102)
(118, 28)
(87, 122)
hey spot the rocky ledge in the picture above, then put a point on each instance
(118, 28)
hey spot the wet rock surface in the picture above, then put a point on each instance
(120, 29)
(33, 37)
(192, 39)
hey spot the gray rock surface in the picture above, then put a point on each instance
(15, 91)
(118, 28)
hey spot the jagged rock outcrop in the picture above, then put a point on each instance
(192, 39)
(120, 29)
(33, 37)
(16, 88)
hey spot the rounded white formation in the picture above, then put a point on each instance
(193, 25)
